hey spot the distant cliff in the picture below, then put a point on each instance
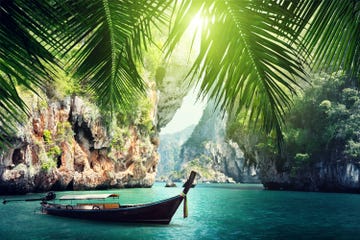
(66, 146)
(212, 155)
(169, 150)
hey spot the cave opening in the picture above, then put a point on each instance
(83, 133)
(70, 186)
(17, 156)
(79, 168)
(56, 186)
(58, 161)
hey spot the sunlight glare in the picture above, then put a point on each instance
(197, 22)
(193, 35)
(196, 25)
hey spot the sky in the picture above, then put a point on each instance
(188, 114)
(191, 110)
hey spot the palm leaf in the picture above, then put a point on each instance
(25, 30)
(333, 36)
(111, 36)
(248, 57)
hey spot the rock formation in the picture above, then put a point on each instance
(324, 176)
(321, 151)
(215, 158)
(169, 150)
(171, 90)
(66, 146)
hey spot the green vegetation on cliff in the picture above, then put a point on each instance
(323, 125)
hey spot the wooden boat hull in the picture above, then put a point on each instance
(160, 212)
(156, 212)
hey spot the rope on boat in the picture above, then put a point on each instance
(185, 205)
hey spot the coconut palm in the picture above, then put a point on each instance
(253, 52)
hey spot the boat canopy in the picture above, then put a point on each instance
(88, 196)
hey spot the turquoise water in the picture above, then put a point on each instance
(216, 211)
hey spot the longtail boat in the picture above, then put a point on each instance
(160, 212)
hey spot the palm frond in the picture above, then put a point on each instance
(25, 30)
(11, 109)
(112, 36)
(333, 36)
(248, 57)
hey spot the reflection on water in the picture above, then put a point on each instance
(238, 186)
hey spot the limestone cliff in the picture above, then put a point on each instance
(215, 158)
(169, 150)
(321, 149)
(325, 175)
(66, 146)
(171, 90)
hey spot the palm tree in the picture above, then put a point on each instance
(253, 53)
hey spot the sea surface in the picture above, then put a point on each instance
(216, 211)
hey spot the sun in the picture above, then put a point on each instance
(197, 22)
(196, 26)
(191, 37)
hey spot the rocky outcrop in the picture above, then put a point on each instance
(322, 176)
(66, 146)
(172, 82)
(171, 90)
(216, 158)
(321, 148)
